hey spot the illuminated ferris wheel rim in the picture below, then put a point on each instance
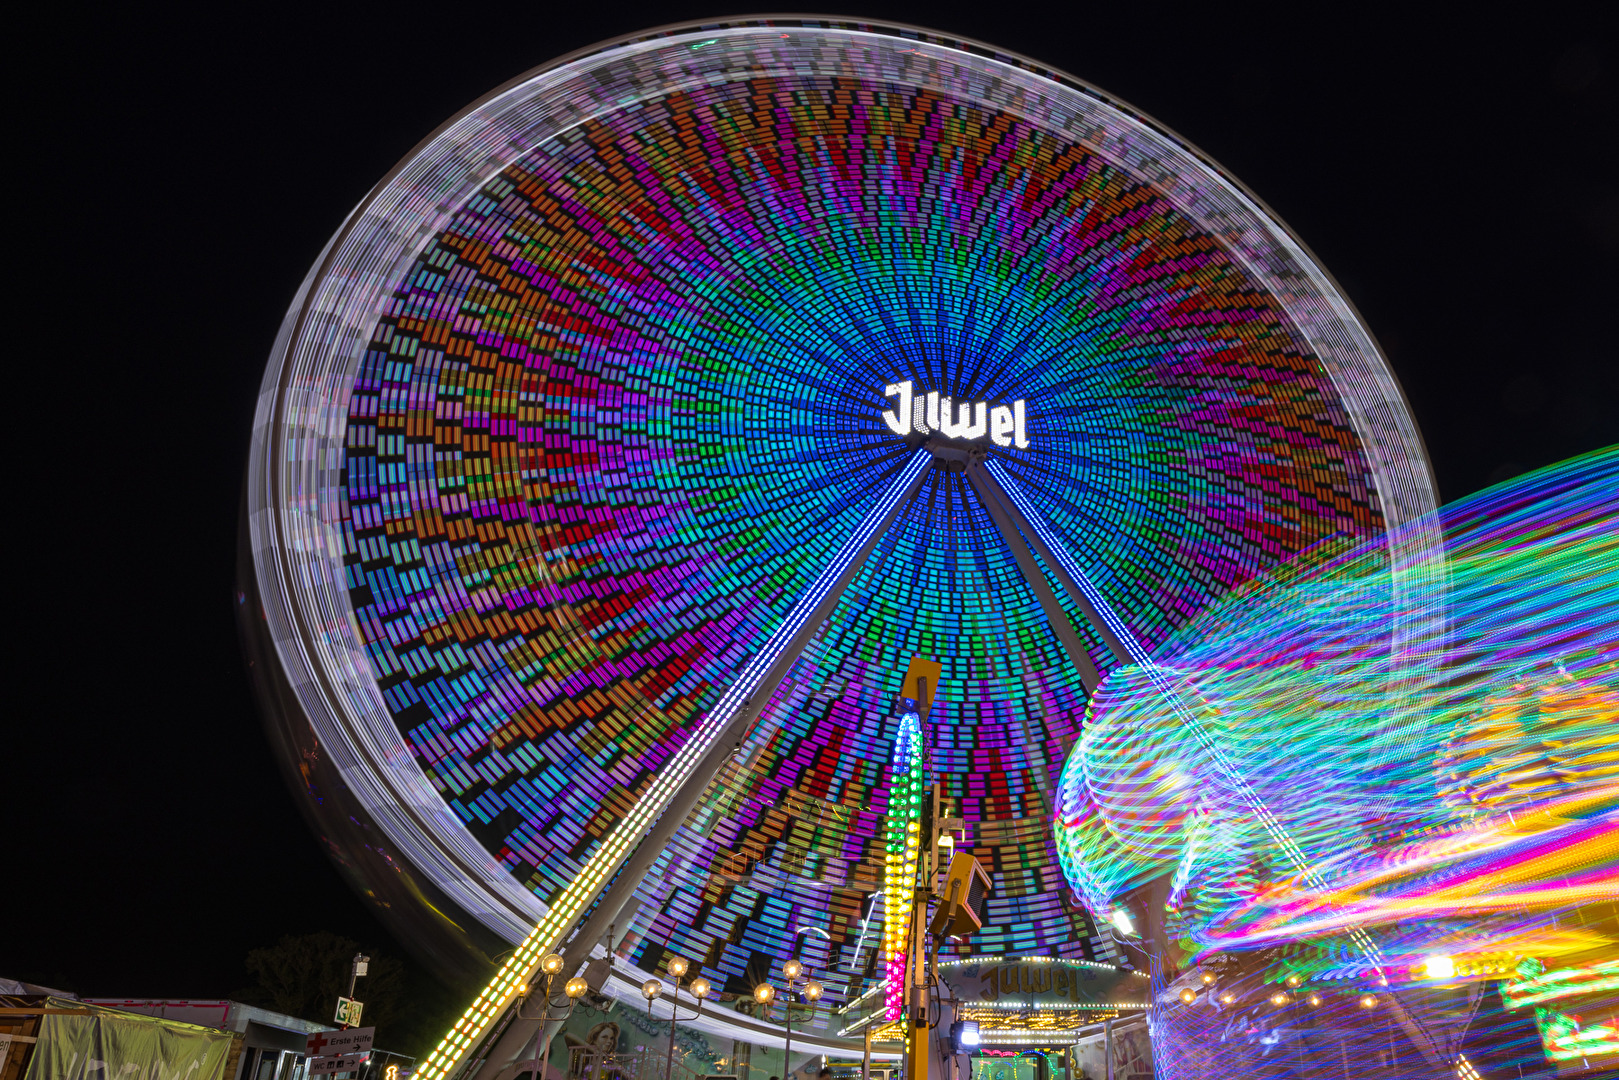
(294, 491)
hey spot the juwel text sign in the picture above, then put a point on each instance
(1005, 425)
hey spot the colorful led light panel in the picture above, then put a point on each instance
(644, 368)
(545, 459)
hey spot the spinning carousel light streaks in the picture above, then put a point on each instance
(1301, 659)
(1503, 815)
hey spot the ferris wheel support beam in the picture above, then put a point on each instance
(1055, 615)
(988, 485)
(664, 808)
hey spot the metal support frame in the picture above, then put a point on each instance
(916, 1047)
(1055, 615)
(747, 697)
(990, 490)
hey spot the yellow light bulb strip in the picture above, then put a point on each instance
(500, 992)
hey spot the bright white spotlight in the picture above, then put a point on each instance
(1439, 967)
(1122, 922)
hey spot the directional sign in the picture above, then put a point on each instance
(348, 1011)
(345, 1063)
(325, 1044)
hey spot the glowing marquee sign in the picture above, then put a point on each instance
(1004, 424)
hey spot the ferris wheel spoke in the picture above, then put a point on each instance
(1126, 649)
(1060, 624)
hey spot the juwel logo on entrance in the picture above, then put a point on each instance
(1004, 424)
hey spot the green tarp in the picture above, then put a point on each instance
(110, 1045)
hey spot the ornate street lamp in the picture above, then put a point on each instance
(652, 988)
(572, 990)
(811, 992)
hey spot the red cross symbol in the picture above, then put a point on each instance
(317, 1041)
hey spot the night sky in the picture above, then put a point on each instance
(182, 171)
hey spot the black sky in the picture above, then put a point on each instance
(183, 168)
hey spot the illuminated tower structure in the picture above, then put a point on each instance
(904, 849)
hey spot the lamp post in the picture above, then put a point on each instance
(360, 966)
(764, 994)
(572, 991)
(654, 987)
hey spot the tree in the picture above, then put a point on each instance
(303, 975)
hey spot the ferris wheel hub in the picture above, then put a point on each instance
(954, 455)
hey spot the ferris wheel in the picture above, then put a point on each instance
(633, 434)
